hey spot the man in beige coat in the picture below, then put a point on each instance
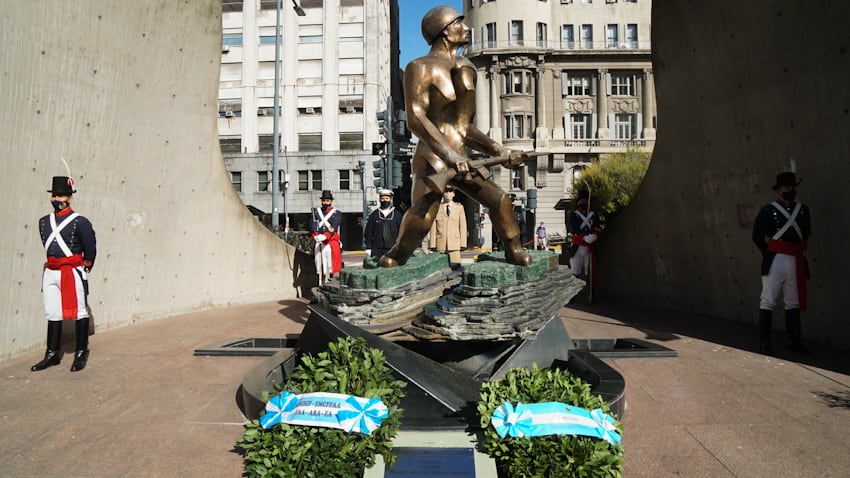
(448, 231)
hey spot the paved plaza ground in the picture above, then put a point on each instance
(147, 407)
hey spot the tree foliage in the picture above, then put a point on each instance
(613, 182)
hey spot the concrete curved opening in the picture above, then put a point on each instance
(126, 91)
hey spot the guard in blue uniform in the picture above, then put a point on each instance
(382, 226)
(781, 232)
(69, 242)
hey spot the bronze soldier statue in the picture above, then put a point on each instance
(439, 90)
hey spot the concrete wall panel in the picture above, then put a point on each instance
(126, 91)
(741, 88)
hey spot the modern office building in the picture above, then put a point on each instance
(338, 67)
(572, 78)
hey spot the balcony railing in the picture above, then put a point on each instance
(560, 46)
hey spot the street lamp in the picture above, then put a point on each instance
(276, 124)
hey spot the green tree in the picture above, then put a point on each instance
(613, 182)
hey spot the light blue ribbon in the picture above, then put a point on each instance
(358, 415)
(553, 418)
(277, 407)
(330, 410)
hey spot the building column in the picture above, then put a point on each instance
(602, 99)
(648, 104)
(542, 132)
(495, 110)
(482, 100)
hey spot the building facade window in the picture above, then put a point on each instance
(612, 36)
(587, 36)
(516, 32)
(518, 126)
(518, 82)
(231, 39)
(344, 179)
(230, 144)
(265, 142)
(622, 84)
(624, 125)
(573, 84)
(310, 180)
(580, 126)
(632, 35)
(316, 179)
(303, 180)
(310, 142)
(490, 35)
(542, 35)
(351, 141)
(236, 180)
(266, 39)
(231, 6)
(263, 180)
(568, 38)
(310, 33)
(517, 179)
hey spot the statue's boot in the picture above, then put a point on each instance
(515, 254)
(413, 229)
(54, 345)
(81, 329)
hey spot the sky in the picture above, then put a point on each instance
(410, 14)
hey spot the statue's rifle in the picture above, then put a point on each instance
(437, 182)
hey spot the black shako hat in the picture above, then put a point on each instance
(583, 194)
(788, 178)
(327, 195)
(62, 185)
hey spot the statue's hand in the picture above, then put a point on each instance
(515, 159)
(460, 163)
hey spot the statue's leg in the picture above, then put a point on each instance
(415, 224)
(499, 204)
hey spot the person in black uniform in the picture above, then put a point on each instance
(70, 244)
(781, 231)
(382, 226)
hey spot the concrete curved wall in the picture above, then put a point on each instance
(126, 91)
(741, 88)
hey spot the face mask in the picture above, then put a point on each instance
(386, 204)
(789, 195)
(325, 207)
(583, 207)
(59, 205)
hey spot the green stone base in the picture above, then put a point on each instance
(493, 271)
(372, 277)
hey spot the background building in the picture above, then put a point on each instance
(569, 77)
(339, 66)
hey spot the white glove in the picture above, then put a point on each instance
(321, 238)
(369, 252)
(590, 238)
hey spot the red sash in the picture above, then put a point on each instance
(578, 240)
(67, 282)
(795, 249)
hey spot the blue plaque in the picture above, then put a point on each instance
(432, 463)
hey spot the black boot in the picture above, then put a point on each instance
(765, 319)
(792, 330)
(53, 355)
(81, 332)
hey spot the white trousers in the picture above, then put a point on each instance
(782, 277)
(324, 261)
(580, 261)
(50, 287)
